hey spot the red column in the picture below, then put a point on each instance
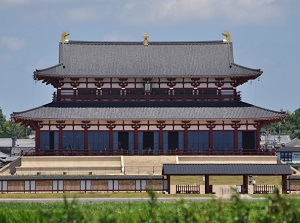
(245, 184)
(210, 126)
(160, 126)
(186, 126)
(236, 126)
(135, 126)
(111, 126)
(206, 184)
(86, 126)
(60, 125)
(86, 149)
(169, 183)
(284, 184)
(37, 140)
(258, 140)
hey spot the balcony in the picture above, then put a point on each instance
(190, 152)
(154, 96)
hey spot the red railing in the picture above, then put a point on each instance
(187, 189)
(263, 189)
(191, 152)
(152, 97)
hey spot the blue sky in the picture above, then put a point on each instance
(265, 35)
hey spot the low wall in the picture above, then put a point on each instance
(227, 159)
(55, 185)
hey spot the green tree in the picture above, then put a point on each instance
(9, 129)
(289, 126)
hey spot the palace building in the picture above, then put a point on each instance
(147, 98)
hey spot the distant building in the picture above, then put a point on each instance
(11, 149)
(274, 141)
(289, 154)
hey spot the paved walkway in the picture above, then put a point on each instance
(228, 196)
(97, 200)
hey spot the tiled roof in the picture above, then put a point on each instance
(226, 169)
(159, 59)
(159, 111)
(5, 142)
(288, 149)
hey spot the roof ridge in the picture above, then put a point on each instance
(237, 65)
(141, 42)
(266, 109)
(48, 68)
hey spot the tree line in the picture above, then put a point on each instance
(13, 130)
(289, 126)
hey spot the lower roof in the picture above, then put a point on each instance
(226, 169)
(148, 111)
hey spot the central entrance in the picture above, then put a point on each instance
(148, 139)
(123, 142)
(172, 140)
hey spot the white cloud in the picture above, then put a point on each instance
(177, 11)
(12, 43)
(114, 36)
(83, 14)
(9, 46)
(13, 3)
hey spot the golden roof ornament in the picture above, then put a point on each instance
(227, 35)
(63, 37)
(146, 39)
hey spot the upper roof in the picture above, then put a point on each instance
(226, 169)
(148, 111)
(159, 59)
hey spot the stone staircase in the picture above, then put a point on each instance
(146, 165)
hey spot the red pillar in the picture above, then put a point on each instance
(206, 184)
(245, 184)
(60, 141)
(236, 145)
(110, 126)
(85, 146)
(160, 126)
(186, 126)
(85, 125)
(284, 184)
(169, 183)
(60, 125)
(160, 151)
(37, 140)
(258, 139)
(135, 126)
(210, 126)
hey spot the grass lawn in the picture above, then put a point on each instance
(95, 195)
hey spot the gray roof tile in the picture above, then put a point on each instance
(159, 59)
(243, 111)
(226, 169)
(288, 149)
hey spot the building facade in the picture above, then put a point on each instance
(147, 98)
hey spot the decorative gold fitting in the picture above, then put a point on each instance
(228, 37)
(146, 39)
(63, 37)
